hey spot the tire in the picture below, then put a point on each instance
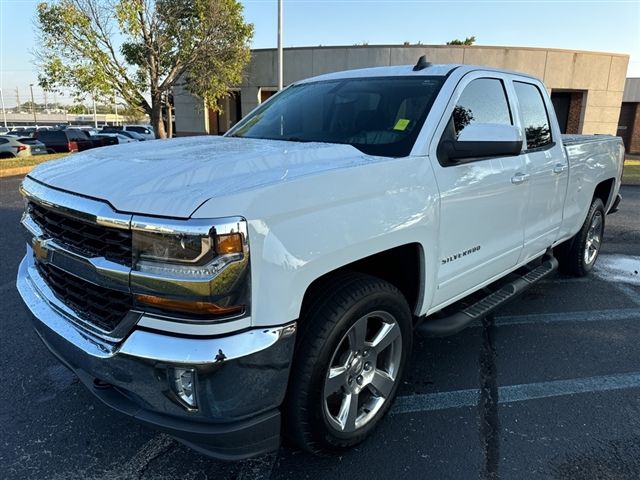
(578, 255)
(359, 329)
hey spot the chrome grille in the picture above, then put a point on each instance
(102, 307)
(85, 238)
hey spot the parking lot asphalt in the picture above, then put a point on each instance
(550, 388)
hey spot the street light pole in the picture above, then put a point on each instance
(95, 113)
(280, 70)
(4, 113)
(33, 107)
(115, 106)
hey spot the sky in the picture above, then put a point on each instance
(607, 26)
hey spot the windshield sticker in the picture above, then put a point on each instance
(401, 124)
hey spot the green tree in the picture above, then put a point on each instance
(467, 41)
(140, 48)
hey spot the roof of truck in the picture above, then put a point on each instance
(436, 70)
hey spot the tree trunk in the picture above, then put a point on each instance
(156, 115)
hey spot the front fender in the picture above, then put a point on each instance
(304, 229)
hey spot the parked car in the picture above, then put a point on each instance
(4, 130)
(69, 140)
(121, 131)
(118, 137)
(146, 131)
(102, 140)
(273, 278)
(11, 147)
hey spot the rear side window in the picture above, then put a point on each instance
(483, 101)
(51, 136)
(3, 140)
(535, 119)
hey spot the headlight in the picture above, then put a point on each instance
(189, 248)
(199, 267)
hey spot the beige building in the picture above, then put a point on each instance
(586, 87)
(629, 122)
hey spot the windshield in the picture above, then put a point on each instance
(379, 116)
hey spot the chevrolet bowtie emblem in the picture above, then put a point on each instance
(40, 251)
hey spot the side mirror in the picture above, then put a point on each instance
(480, 140)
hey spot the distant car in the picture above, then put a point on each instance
(145, 130)
(3, 130)
(18, 132)
(11, 147)
(126, 133)
(62, 141)
(117, 137)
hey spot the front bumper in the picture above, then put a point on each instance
(241, 379)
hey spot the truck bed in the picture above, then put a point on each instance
(573, 139)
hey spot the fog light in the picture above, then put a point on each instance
(183, 383)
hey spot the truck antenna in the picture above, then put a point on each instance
(422, 63)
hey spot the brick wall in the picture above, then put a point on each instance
(634, 143)
(575, 112)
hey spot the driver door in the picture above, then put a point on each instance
(482, 200)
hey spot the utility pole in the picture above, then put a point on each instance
(115, 107)
(33, 106)
(95, 113)
(46, 103)
(280, 70)
(4, 113)
(169, 116)
(18, 100)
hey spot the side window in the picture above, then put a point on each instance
(3, 140)
(535, 119)
(483, 101)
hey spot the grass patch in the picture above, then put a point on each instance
(8, 163)
(631, 175)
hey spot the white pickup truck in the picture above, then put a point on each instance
(232, 290)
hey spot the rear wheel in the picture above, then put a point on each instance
(354, 344)
(578, 255)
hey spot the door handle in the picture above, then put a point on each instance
(519, 178)
(560, 167)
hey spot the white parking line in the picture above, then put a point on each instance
(580, 316)
(629, 292)
(516, 393)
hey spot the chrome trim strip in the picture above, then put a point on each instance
(96, 270)
(82, 208)
(194, 226)
(39, 288)
(142, 344)
(194, 351)
(179, 326)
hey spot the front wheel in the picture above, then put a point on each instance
(354, 345)
(578, 255)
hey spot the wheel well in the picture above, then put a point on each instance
(400, 266)
(603, 191)
(7, 155)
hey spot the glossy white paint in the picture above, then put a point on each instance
(312, 208)
(174, 177)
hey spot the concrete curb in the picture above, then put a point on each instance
(10, 172)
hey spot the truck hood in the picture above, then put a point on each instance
(174, 177)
